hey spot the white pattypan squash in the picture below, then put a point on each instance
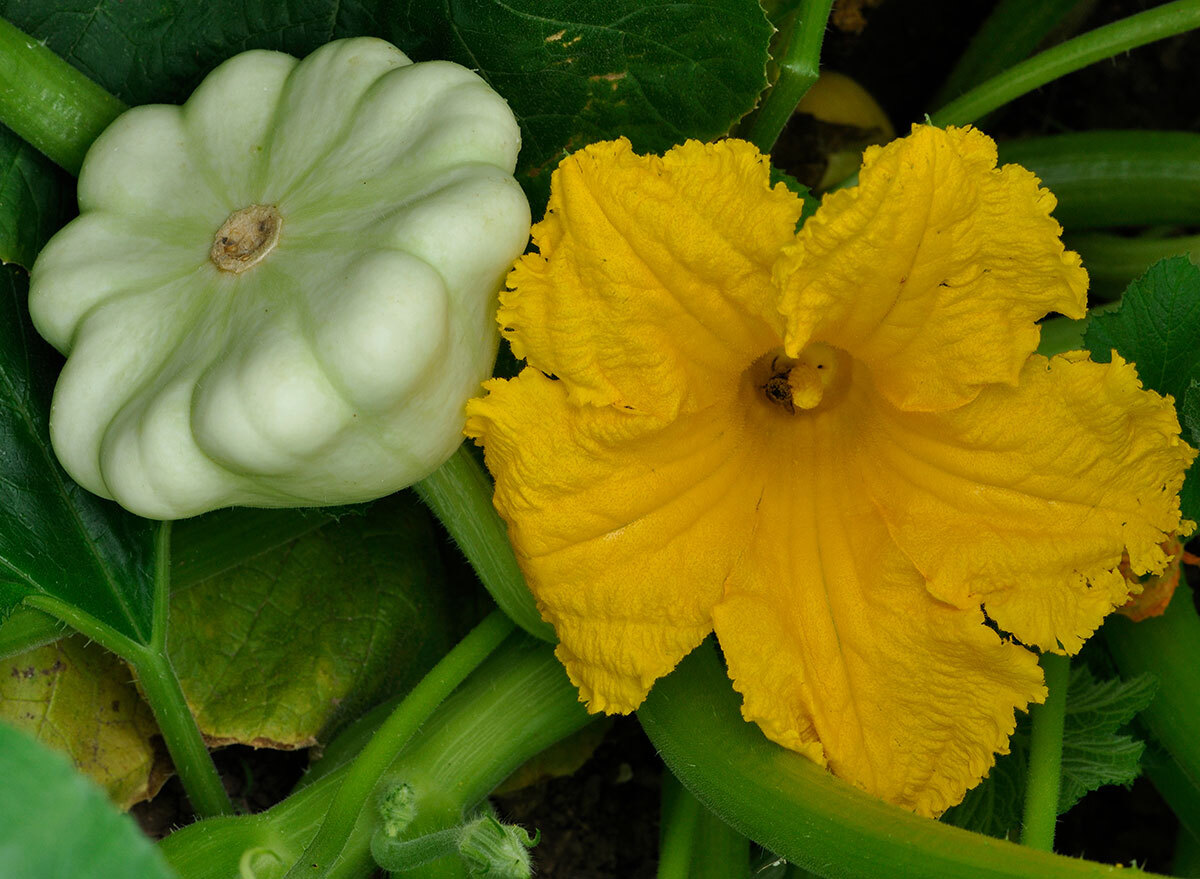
(282, 292)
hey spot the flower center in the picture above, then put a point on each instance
(805, 382)
(246, 238)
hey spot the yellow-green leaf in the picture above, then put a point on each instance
(79, 699)
(277, 651)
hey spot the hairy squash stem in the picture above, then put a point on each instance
(1095, 45)
(1116, 178)
(159, 683)
(1113, 260)
(799, 67)
(680, 818)
(389, 740)
(1012, 30)
(696, 844)
(514, 705)
(1044, 776)
(1169, 648)
(460, 494)
(48, 102)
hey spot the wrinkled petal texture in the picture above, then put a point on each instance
(874, 566)
(651, 288)
(1027, 498)
(932, 270)
(625, 526)
(842, 654)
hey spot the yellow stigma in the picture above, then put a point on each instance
(801, 383)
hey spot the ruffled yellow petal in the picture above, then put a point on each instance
(1027, 498)
(625, 526)
(652, 286)
(933, 270)
(842, 654)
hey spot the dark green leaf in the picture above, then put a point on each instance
(217, 542)
(1095, 753)
(27, 629)
(810, 203)
(655, 71)
(145, 51)
(55, 538)
(33, 200)
(56, 824)
(1158, 328)
(1189, 416)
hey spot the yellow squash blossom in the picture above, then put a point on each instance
(835, 448)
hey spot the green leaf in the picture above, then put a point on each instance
(33, 200)
(279, 650)
(145, 52)
(216, 542)
(655, 71)
(55, 538)
(27, 629)
(78, 698)
(56, 824)
(810, 203)
(1158, 328)
(1095, 753)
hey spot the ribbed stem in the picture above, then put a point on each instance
(364, 773)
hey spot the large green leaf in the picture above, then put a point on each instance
(655, 71)
(33, 200)
(277, 651)
(56, 824)
(55, 538)
(1158, 328)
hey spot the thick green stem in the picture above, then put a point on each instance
(1044, 777)
(1011, 32)
(460, 494)
(1116, 178)
(1114, 260)
(694, 843)
(677, 830)
(48, 102)
(387, 743)
(799, 67)
(1103, 42)
(1169, 648)
(796, 809)
(516, 704)
(184, 742)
